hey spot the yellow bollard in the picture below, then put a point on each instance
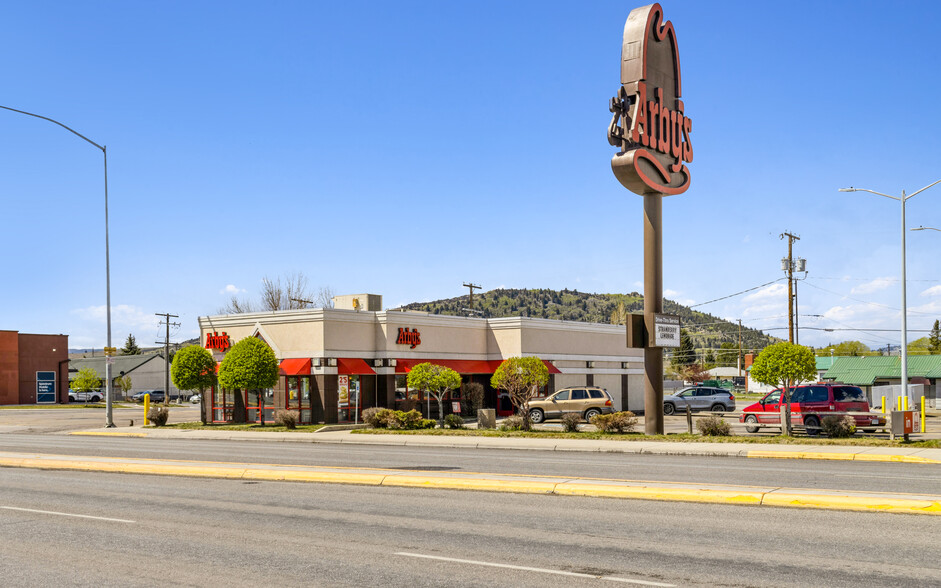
(922, 414)
(905, 402)
(883, 404)
(146, 408)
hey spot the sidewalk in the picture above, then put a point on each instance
(751, 450)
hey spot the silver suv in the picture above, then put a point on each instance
(699, 398)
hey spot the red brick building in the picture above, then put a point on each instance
(34, 369)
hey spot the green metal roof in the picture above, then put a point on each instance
(863, 371)
(824, 363)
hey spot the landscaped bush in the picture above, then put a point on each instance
(426, 424)
(618, 422)
(286, 418)
(512, 423)
(158, 416)
(570, 422)
(371, 416)
(473, 397)
(713, 426)
(454, 421)
(838, 426)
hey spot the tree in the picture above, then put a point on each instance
(685, 354)
(619, 314)
(124, 383)
(693, 373)
(727, 356)
(436, 380)
(86, 381)
(934, 339)
(194, 368)
(291, 294)
(920, 346)
(786, 365)
(521, 377)
(846, 349)
(130, 346)
(249, 365)
(709, 359)
(474, 394)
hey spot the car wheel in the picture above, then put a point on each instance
(717, 407)
(754, 423)
(668, 408)
(96, 398)
(812, 426)
(536, 415)
(590, 413)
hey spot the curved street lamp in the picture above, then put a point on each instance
(904, 348)
(109, 422)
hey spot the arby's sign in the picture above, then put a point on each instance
(216, 341)
(649, 123)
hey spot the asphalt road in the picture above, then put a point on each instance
(74, 418)
(204, 532)
(835, 475)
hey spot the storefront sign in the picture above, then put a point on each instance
(407, 337)
(216, 341)
(456, 407)
(343, 391)
(45, 387)
(666, 330)
(649, 125)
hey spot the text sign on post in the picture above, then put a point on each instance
(666, 330)
(45, 387)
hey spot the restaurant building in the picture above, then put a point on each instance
(336, 362)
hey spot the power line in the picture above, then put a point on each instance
(736, 294)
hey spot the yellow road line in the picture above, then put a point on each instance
(661, 491)
(841, 456)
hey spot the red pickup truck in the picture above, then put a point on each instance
(809, 404)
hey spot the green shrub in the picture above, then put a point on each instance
(373, 416)
(286, 418)
(570, 422)
(426, 424)
(512, 423)
(158, 416)
(410, 420)
(838, 426)
(618, 422)
(454, 421)
(713, 426)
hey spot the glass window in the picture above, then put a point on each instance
(705, 392)
(849, 394)
(579, 394)
(563, 395)
(596, 393)
(773, 398)
(818, 394)
(800, 394)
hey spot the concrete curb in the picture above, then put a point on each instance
(749, 450)
(549, 485)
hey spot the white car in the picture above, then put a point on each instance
(90, 396)
(194, 399)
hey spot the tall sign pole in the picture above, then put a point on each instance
(652, 132)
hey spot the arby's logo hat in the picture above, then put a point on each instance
(649, 123)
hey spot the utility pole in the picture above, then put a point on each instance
(739, 347)
(471, 286)
(787, 264)
(166, 352)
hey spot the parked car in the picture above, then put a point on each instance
(699, 398)
(155, 396)
(809, 404)
(195, 399)
(586, 401)
(90, 396)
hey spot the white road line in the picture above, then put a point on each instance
(66, 514)
(538, 570)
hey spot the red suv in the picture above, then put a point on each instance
(809, 404)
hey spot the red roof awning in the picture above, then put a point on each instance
(552, 369)
(299, 366)
(352, 366)
(461, 366)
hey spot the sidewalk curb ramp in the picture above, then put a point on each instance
(526, 484)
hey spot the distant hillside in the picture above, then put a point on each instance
(706, 330)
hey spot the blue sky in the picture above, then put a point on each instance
(405, 148)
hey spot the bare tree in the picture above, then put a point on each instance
(289, 293)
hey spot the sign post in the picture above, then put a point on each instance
(652, 132)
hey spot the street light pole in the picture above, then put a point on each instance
(904, 348)
(109, 421)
